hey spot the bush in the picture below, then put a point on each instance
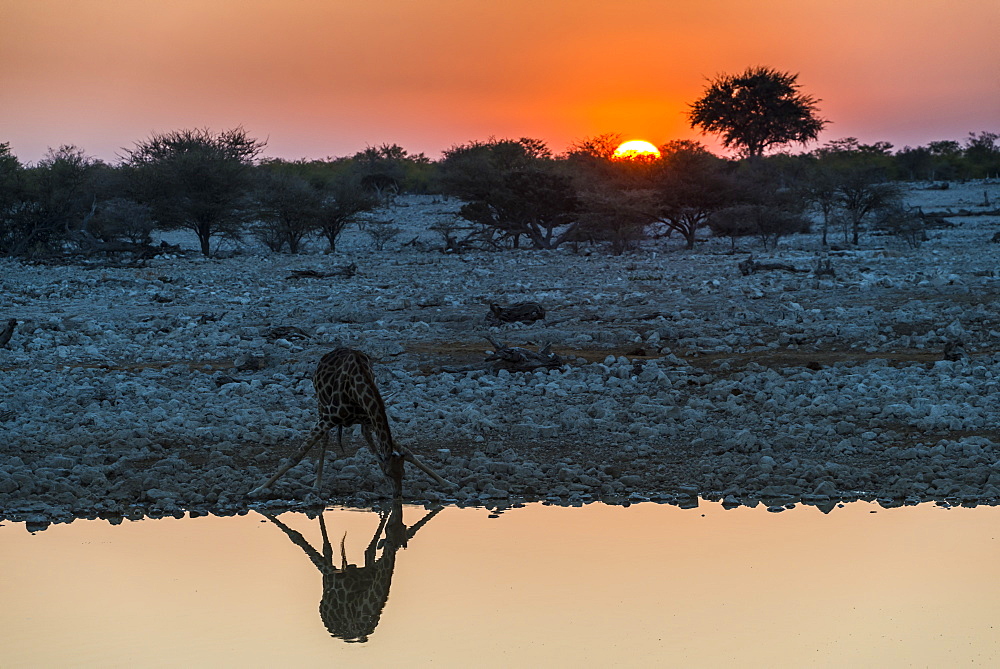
(381, 232)
(732, 222)
(49, 204)
(122, 219)
(287, 209)
(768, 222)
(616, 216)
(903, 222)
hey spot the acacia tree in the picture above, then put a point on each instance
(756, 110)
(55, 200)
(617, 216)
(195, 179)
(770, 202)
(343, 201)
(862, 193)
(856, 177)
(691, 184)
(12, 200)
(982, 155)
(513, 189)
(389, 169)
(287, 209)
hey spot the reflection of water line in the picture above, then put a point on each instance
(354, 597)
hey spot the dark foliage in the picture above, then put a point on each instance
(343, 202)
(691, 185)
(757, 110)
(49, 205)
(620, 217)
(287, 209)
(514, 189)
(196, 179)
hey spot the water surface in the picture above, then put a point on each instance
(539, 586)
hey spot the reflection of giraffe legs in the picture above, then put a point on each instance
(354, 596)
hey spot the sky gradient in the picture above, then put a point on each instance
(328, 78)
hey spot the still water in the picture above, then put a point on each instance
(541, 586)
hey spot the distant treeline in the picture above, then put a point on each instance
(514, 193)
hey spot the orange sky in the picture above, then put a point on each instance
(329, 77)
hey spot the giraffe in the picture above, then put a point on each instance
(347, 395)
(354, 596)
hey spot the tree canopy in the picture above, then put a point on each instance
(195, 179)
(756, 110)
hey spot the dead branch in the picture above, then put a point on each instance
(518, 359)
(749, 266)
(286, 332)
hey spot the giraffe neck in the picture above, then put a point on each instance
(380, 427)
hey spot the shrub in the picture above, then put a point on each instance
(381, 232)
(122, 219)
(616, 216)
(287, 209)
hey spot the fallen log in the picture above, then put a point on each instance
(342, 272)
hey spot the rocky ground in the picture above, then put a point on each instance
(179, 384)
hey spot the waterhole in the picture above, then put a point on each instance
(543, 586)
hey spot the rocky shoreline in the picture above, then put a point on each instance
(177, 386)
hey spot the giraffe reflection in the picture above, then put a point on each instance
(354, 596)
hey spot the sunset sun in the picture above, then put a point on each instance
(636, 148)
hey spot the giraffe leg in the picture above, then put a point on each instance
(314, 436)
(322, 459)
(407, 455)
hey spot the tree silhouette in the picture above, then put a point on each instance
(692, 184)
(599, 146)
(287, 209)
(513, 189)
(756, 110)
(195, 179)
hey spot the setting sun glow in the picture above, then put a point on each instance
(636, 148)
